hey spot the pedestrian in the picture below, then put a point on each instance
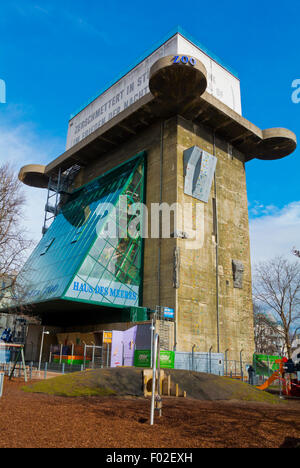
(251, 373)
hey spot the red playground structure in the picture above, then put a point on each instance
(288, 375)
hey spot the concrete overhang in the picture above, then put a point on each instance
(176, 89)
(34, 175)
(58, 312)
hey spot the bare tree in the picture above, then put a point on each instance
(277, 289)
(266, 337)
(13, 241)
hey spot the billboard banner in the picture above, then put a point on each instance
(134, 85)
(142, 358)
(122, 348)
(265, 364)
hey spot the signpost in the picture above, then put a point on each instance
(107, 337)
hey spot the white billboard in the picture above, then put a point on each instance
(135, 84)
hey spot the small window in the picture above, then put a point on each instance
(47, 246)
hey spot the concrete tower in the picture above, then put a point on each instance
(173, 123)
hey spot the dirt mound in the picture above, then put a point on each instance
(129, 382)
(97, 382)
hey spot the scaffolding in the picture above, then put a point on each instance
(164, 328)
(59, 184)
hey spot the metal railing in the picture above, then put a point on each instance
(1, 383)
(156, 397)
(94, 357)
(209, 363)
(212, 363)
(90, 356)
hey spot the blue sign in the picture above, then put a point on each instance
(184, 59)
(168, 313)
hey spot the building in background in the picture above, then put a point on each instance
(169, 131)
(268, 335)
(296, 342)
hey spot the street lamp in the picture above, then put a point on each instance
(42, 343)
(210, 350)
(152, 330)
(241, 362)
(226, 360)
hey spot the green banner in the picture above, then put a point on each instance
(167, 359)
(143, 359)
(265, 364)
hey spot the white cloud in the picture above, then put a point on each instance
(274, 233)
(49, 13)
(20, 145)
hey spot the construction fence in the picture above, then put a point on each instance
(66, 359)
(210, 363)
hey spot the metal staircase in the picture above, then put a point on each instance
(58, 184)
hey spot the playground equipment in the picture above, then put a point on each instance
(6, 353)
(288, 375)
(167, 386)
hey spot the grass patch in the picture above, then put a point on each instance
(244, 392)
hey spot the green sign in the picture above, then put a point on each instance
(265, 364)
(167, 359)
(143, 359)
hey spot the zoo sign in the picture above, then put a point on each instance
(184, 59)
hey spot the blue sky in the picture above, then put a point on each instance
(54, 56)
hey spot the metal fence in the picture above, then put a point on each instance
(60, 361)
(1, 383)
(235, 369)
(88, 356)
(7, 368)
(211, 363)
(66, 359)
(42, 370)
